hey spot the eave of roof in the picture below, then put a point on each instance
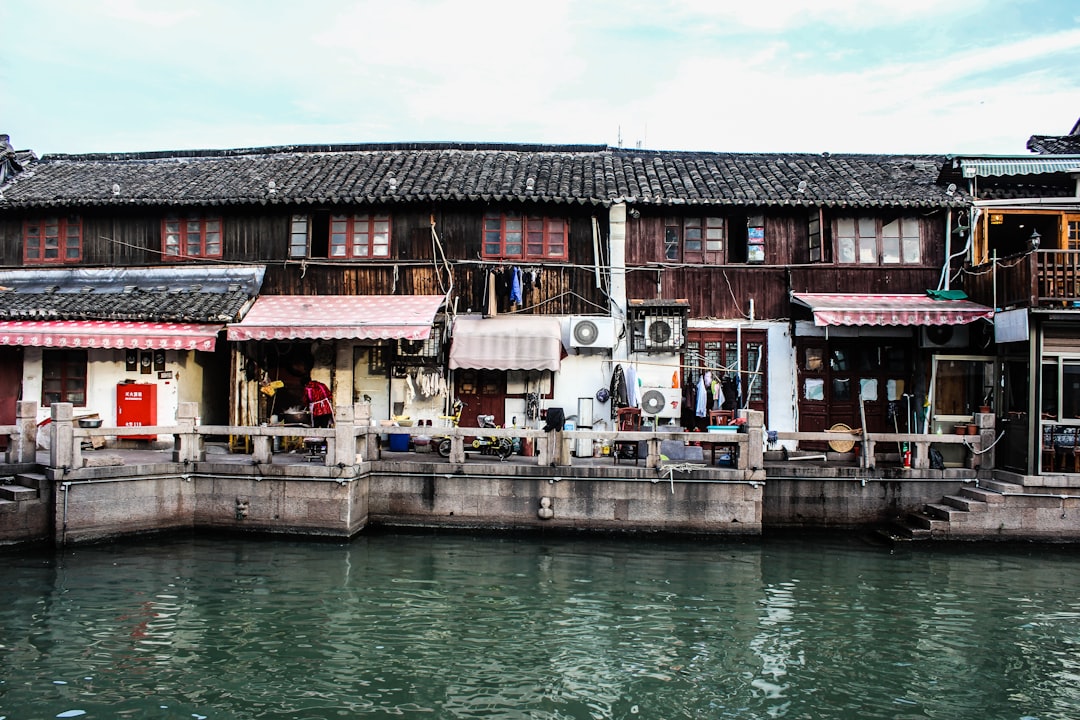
(585, 175)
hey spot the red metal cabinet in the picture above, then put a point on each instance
(136, 406)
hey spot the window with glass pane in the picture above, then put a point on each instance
(714, 234)
(298, 236)
(1070, 389)
(814, 237)
(910, 240)
(52, 240)
(868, 253)
(845, 240)
(755, 364)
(63, 377)
(192, 236)
(359, 236)
(693, 236)
(841, 389)
(1073, 234)
(890, 242)
(516, 236)
(1049, 399)
(814, 359)
(672, 236)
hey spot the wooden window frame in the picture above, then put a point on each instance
(715, 346)
(38, 241)
(687, 239)
(869, 240)
(299, 235)
(64, 377)
(509, 236)
(359, 236)
(177, 236)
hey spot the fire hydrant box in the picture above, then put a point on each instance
(136, 406)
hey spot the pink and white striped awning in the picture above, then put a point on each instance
(917, 310)
(322, 317)
(108, 334)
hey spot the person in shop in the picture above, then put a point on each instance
(318, 400)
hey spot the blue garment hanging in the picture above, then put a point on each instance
(515, 285)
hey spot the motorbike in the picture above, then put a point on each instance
(502, 447)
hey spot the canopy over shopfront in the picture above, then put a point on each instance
(880, 310)
(323, 317)
(507, 343)
(106, 334)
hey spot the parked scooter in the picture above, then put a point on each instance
(502, 447)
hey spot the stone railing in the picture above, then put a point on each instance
(349, 443)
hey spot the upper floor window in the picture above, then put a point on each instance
(876, 241)
(52, 240)
(694, 239)
(528, 238)
(322, 235)
(359, 236)
(63, 377)
(192, 236)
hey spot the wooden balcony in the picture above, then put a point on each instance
(1044, 278)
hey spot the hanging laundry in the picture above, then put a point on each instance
(515, 286)
(700, 401)
(632, 385)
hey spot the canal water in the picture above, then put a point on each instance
(453, 626)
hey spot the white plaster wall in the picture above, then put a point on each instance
(106, 369)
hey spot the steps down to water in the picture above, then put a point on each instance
(993, 509)
(21, 488)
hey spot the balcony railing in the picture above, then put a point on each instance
(1044, 278)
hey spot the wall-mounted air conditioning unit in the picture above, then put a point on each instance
(594, 333)
(664, 333)
(943, 336)
(661, 402)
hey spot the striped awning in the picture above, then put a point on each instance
(106, 334)
(323, 317)
(512, 342)
(1035, 165)
(877, 310)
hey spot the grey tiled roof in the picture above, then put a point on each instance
(188, 295)
(1054, 144)
(439, 172)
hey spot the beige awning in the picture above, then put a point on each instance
(514, 342)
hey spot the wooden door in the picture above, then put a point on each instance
(11, 372)
(484, 393)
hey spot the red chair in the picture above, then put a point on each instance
(628, 419)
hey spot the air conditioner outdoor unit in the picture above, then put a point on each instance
(664, 333)
(592, 332)
(943, 336)
(661, 402)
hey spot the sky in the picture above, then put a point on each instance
(861, 76)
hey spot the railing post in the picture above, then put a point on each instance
(341, 450)
(755, 441)
(987, 434)
(188, 444)
(23, 444)
(64, 452)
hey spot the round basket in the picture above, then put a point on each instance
(841, 446)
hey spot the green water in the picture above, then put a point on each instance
(456, 626)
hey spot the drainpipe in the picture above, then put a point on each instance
(617, 241)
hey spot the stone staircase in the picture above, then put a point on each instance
(993, 509)
(19, 489)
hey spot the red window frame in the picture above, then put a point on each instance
(191, 236)
(522, 237)
(364, 235)
(52, 240)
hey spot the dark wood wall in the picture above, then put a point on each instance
(126, 238)
(725, 290)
